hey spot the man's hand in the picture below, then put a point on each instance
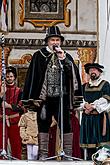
(60, 53)
(3, 89)
(6, 105)
(88, 108)
(37, 103)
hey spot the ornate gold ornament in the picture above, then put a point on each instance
(46, 14)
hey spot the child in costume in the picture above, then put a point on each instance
(29, 133)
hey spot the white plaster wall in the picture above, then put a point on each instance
(104, 37)
(22, 35)
(87, 15)
(86, 19)
(28, 26)
(84, 14)
(18, 53)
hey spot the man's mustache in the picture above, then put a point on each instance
(94, 76)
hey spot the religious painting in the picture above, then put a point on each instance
(41, 6)
(44, 12)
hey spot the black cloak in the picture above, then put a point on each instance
(36, 74)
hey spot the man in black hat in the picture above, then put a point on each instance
(13, 110)
(43, 84)
(95, 126)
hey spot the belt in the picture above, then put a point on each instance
(9, 117)
(94, 112)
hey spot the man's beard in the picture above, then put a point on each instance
(94, 76)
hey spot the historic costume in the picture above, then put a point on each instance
(43, 82)
(29, 133)
(95, 126)
(13, 96)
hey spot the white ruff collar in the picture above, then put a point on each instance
(48, 49)
(95, 82)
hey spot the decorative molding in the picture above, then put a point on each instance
(24, 60)
(40, 42)
(46, 14)
(86, 55)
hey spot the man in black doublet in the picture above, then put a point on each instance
(43, 83)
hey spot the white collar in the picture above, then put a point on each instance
(48, 49)
(96, 82)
